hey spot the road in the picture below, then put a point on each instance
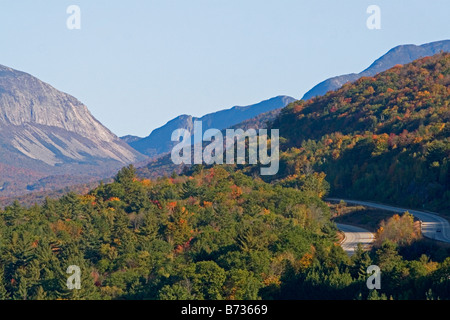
(353, 236)
(433, 226)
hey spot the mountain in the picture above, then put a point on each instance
(45, 133)
(223, 233)
(159, 141)
(384, 138)
(129, 138)
(399, 55)
(163, 166)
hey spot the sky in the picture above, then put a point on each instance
(137, 64)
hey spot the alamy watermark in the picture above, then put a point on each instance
(258, 144)
(73, 22)
(74, 281)
(374, 281)
(374, 20)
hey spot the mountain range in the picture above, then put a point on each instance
(399, 55)
(228, 233)
(50, 140)
(159, 140)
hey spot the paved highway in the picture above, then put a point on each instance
(433, 226)
(353, 236)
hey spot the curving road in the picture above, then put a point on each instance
(353, 236)
(433, 226)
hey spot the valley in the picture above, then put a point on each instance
(141, 227)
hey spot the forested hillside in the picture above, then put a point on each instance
(213, 234)
(222, 232)
(384, 138)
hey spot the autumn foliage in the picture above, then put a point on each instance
(401, 230)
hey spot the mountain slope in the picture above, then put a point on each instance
(384, 138)
(399, 55)
(163, 165)
(159, 141)
(51, 132)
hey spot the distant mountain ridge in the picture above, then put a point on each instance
(159, 141)
(402, 54)
(52, 133)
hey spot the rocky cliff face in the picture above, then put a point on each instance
(51, 132)
(159, 141)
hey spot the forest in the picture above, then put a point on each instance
(385, 138)
(214, 233)
(224, 232)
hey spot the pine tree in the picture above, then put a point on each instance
(4, 295)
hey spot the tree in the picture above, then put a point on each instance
(242, 285)
(207, 280)
(398, 229)
(126, 175)
(178, 291)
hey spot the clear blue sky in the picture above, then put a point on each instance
(138, 63)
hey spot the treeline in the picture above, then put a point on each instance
(213, 234)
